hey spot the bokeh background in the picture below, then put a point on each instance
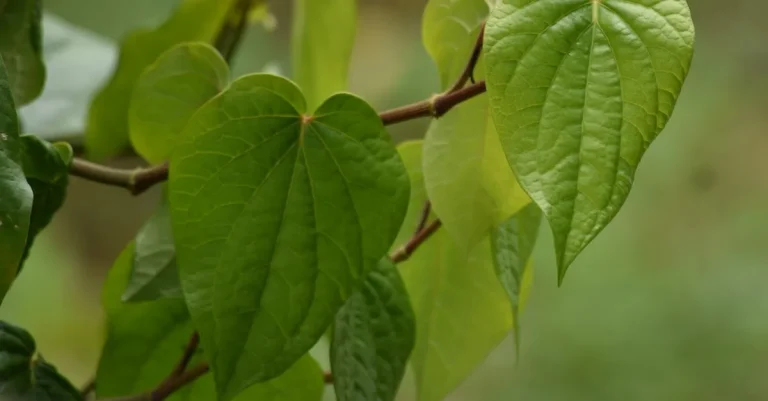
(669, 303)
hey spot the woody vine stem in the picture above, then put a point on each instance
(137, 181)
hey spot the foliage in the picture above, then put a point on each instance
(290, 213)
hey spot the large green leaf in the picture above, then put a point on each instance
(278, 217)
(21, 47)
(512, 244)
(25, 376)
(153, 269)
(169, 92)
(462, 312)
(579, 89)
(194, 20)
(145, 341)
(78, 63)
(15, 193)
(323, 38)
(373, 336)
(468, 179)
(46, 167)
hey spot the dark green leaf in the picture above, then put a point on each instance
(169, 92)
(46, 167)
(194, 20)
(461, 309)
(153, 273)
(78, 64)
(21, 48)
(146, 340)
(512, 244)
(25, 376)
(15, 193)
(278, 217)
(323, 38)
(579, 89)
(373, 336)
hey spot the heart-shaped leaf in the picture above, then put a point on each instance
(46, 167)
(169, 92)
(146, 340)
(461, 309)
(278, 217)
(579, 89)
(25, 375)
(373, 336)
(21, 47)
(15, 193)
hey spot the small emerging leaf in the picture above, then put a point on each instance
(25, 375)
(322, 41)
(46, 168)
(169, 92)
(15, 193)
(195, 20)
(21, 48)
(373, 336)
(579, 89)
(278, 217)
(153, 268)
(461, 309)
(145, 342)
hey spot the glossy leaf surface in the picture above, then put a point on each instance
(169, 92)
(462, 312)
(323, 38)
(194, 20)
(21, 48)
(579, 89)
(278, 217)
(145, 342)
(373, 336)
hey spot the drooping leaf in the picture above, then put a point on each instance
(512, 244)
(579, 89)
(15, 193)
(194, 20)
(146, 340)
(323, 38)
(46, 167)
(468, 179)
(153, 269)
(449, 31)
(21, 48)
(373, 336)
(462, 312)
(278, 217)
(25, 375)
(169, 92)
(78, 63)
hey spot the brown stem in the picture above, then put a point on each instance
(435, 107)
(88, 388)
(327, 377)
(405, 251)
(174, 383)
(136, 181)
(424, 216)
(189, 352)
(232, 32)
(469, 70)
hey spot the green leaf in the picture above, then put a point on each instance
(373, 336)
(79, 62)
(16, 198)
(449, 32)
(462, 312)
(468, 179)
(146, 340)
(278, 217)
(25, 375)
(579, 89)
(153, 269)
(512, 244)
(21, 48)
(323, 38)
(169, 92)
(46, 168)
(194, 20)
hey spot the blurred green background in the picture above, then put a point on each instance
(667, 304)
